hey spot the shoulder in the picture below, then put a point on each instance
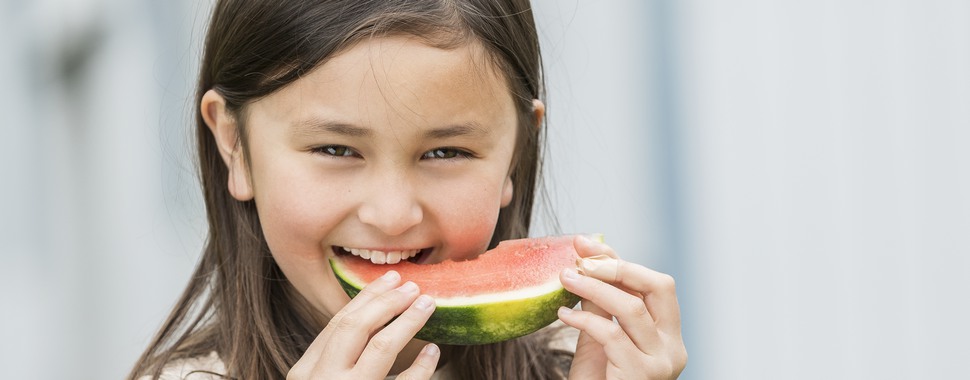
(209, 367)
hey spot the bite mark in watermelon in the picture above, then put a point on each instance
(507, 292)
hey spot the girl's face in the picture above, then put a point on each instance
(391, 146)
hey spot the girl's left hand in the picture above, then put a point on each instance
(645, 341)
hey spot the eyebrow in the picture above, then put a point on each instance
(471, 129)
(315, 126)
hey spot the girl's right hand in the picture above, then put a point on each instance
(357, 345)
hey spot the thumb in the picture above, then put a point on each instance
(589, 361)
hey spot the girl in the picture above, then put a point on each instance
(410, 129)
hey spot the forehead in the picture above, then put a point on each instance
(398, 80)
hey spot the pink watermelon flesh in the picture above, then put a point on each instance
(513, 264)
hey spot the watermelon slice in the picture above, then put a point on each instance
(507, 292)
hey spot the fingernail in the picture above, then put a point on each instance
(431, 349)
(408, 287)
(570, 274)
(391, 276)
(565, 310)
(423, 302)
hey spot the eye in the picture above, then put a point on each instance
(336, 151)
(445, 154)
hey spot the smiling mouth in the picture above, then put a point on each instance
(416, 256)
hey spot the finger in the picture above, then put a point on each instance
(617, 345)
(631, 311)
(599, 261)
(601, 267)
(309, 359)
(589, 306)
(377, 287)
(658, 289)
(589, 360)
(384, 347)
(587, 247)
(424, 365)
(350, 333)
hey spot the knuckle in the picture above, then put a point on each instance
(337, 317)
(382, 344)
(668, 367)
(635, 307)
(659, 370)
(370, 291)
(392, 298)
(680, 360)
(667, 283)
(411, 318)
(615, 332)
(346, 323)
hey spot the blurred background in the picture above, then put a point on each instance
(802, 169)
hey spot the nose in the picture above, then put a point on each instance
(391, 204)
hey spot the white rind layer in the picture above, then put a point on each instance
(550, 286)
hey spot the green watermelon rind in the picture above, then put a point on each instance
(484, 323)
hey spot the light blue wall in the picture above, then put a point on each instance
(99, 216)
(826, 176)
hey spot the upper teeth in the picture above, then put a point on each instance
(381, 257)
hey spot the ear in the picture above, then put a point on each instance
(224, 129)
(507, 192)
(539, 111)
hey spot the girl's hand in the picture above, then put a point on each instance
(357, 345)
(645, 341)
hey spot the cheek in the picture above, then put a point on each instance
(467, 216)
(289, 234)
(294, 225)
(295, 207)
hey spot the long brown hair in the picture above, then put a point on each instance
(238, 302)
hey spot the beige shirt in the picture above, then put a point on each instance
(210, 367)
